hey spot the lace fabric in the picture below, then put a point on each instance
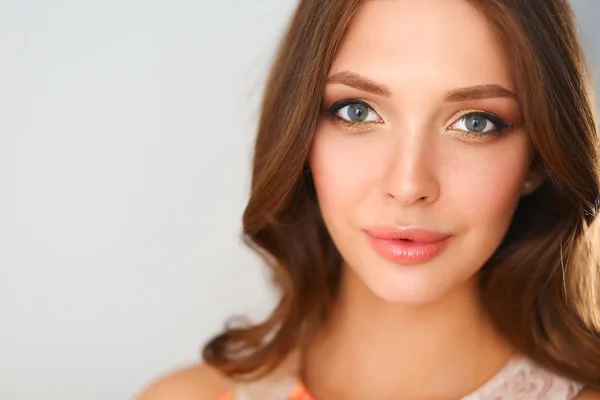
(522, 379)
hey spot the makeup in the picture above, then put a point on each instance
(338, 113)
(500, 127)
(407, 246)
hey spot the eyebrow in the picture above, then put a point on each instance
(477, 92)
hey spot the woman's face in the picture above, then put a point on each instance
(421, 132)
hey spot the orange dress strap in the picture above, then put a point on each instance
(298, 393)
(226, 396)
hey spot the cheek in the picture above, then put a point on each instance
(484, 184)
(343, 170)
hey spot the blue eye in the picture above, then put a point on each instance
(480, 122)
(354, 111)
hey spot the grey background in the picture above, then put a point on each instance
(126, 130)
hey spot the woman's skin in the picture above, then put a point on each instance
(413, 331)
(416, 330)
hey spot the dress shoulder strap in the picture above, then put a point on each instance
(523, 379)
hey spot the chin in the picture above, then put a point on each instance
(410, 285)
(400, 294)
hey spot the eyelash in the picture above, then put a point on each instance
(500, 125)
(333, 110)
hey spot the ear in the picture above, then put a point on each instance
(534, 179)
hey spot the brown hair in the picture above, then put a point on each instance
(542, 284)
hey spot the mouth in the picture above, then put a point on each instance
(407, 246)
(407, 234)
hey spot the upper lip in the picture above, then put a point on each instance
(414, 234)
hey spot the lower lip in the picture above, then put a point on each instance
(405, 251)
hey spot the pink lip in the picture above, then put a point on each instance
(407, 246)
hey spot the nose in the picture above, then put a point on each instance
(409, 176)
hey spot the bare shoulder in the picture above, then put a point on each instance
(198, 382)
(589, 395)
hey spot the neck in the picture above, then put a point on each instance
(372, 348)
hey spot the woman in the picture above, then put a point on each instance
(425, 187)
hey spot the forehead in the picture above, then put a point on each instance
(425, 45)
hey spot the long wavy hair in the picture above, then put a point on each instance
(541, 287)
